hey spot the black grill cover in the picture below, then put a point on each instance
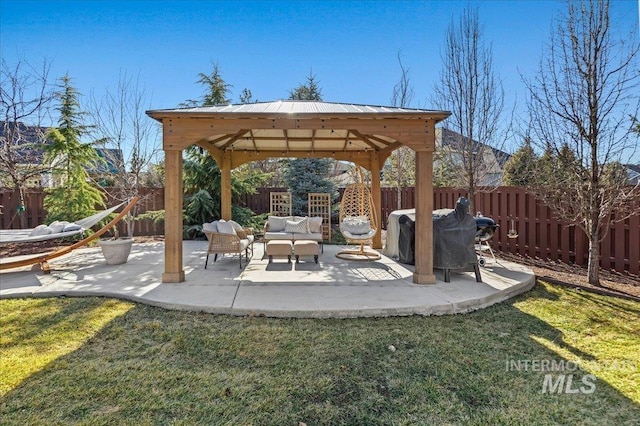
(454, 238)
(407, 240)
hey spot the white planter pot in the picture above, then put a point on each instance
(116, 252)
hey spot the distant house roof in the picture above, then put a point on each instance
(633, 172)
(29, 145)
(31, 148)
(448, 137)
(113, 158)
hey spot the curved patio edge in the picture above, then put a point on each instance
(332, 289)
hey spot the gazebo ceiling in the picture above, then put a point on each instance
(283, 127)
(295, 140)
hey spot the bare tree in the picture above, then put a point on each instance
(132, 139)
(25, 96)
(470, 88)
(401, 170)
(585, 89)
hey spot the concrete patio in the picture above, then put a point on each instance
(331, 288)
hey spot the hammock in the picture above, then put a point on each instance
(43, 259)
(12, 236)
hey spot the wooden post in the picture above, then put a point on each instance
(424, 208)
(173, 272)
(225, 187)
(376, 196)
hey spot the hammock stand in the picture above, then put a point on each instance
(43, 259)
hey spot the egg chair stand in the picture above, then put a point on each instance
(358, 222)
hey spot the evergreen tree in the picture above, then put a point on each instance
(309, 91)
(73, 197)
(201, 176)
(520, 169)
(305, 175)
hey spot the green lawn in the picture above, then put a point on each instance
(100, 361)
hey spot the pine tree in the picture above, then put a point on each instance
(520, 169)
(305, 175)
(74, 197)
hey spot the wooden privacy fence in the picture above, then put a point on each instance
(540, 234)
(150, 199)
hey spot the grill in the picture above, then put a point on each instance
(485, 228)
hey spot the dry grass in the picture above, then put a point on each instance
(100, 361)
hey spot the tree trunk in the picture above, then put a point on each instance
(593, 267)
(22, 208)
(399, 197)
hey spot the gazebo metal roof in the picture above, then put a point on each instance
(339, 136)
(298, 107)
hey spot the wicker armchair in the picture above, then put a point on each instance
(221, 243)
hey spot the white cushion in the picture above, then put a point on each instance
(210, 227)
(356, 225)
(40, 230)
(71, 227)
(236, 225)
(276, 235)
(276, 224)
(57, 226)
(299, 226)
(315, 224)
(226, 228)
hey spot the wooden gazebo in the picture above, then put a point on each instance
(237, 134)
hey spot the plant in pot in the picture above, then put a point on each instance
(116, 250)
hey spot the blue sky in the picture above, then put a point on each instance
(270, 47)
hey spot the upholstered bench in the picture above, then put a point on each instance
(279, 248)
(306, 248)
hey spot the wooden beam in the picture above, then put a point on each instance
(234, 138)
(242, 157)
(388, 150)
(367, 140)
(374, 166)
(225, 186)
(424, 221)
(181, 132)
(173, 272)
(253, 139)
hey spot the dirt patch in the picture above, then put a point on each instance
(611, 283)
(10, 250)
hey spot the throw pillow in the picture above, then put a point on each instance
(40, 230)
(210, 227)
(276, 223)
(57, 226)
(71, 227)
(315, 224)
(356, 225)
(297, 227)
(236, 225)
(240, 232)
(226, 228)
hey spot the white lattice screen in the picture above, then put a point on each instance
(280, 203)
(320, 205)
